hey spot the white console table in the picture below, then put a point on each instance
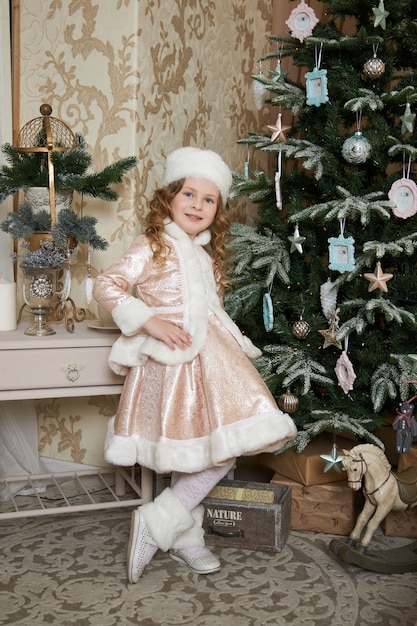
(58, 366)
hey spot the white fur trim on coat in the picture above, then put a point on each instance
(260, 433)
(131, 315)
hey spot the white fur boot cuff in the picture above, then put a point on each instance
(167, 518)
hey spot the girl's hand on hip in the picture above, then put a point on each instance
(171, 334)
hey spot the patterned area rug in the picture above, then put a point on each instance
(70, 569)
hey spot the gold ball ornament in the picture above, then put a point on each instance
(45, 109)
(288, 402)
(374, 68)
(301, 329)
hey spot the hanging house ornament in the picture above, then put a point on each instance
(378, 280)
(302, 21)
(344, 371)
(375, 67)
(316, 83)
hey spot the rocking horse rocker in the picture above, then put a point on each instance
(384, 490)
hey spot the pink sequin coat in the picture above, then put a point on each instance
(182, 410)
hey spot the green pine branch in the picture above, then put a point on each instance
(334, 422)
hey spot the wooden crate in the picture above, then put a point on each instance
(249, 515)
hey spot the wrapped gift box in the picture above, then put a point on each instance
(400, 523)
(241, 514)
(307, 467)
(330, 508)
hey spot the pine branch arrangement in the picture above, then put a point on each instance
(71, 173)
(30, 169)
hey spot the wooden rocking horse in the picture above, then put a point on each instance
(384, 490)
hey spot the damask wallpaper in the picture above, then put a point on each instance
(135, 77)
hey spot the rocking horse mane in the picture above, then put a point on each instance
(369, 448)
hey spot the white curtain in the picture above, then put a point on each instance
(18, 447)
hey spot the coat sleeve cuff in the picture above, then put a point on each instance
(131, 314)
(250, 349)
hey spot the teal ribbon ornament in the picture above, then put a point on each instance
(268, 312)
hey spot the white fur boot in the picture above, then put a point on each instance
(189, 547)
(155, 525)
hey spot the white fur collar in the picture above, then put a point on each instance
(173, 230)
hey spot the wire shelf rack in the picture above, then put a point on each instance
(86, 490)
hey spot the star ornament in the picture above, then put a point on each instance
(330, 336)
(278, 130)
(378, 280)
(333, 460)
(296, 241)
(380, 15)
(407, 120)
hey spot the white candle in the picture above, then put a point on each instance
(7, 305)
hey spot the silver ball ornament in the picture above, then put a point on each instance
(356, 149)
(374, 68)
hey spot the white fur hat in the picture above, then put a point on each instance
(195, 163)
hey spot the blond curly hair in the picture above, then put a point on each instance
(159, 210)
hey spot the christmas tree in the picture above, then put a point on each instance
(325, 280)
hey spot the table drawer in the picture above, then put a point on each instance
(56, 368)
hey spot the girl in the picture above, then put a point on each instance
(192, 400)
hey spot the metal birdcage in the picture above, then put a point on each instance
(46, 134)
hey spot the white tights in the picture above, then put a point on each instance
(191, 489)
